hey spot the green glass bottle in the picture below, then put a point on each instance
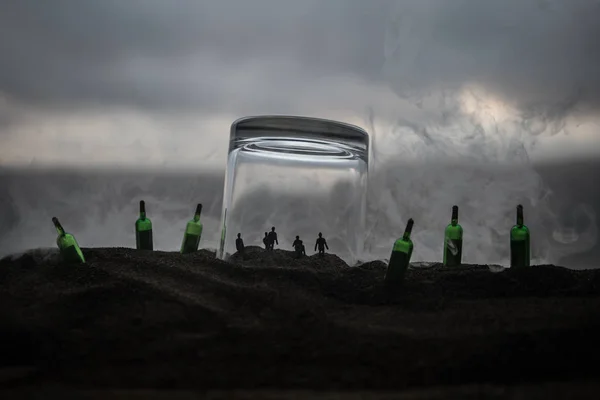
(69, 249)
(519, 242)
(143, 230)
(193, 232)
(400, 258)
(453, 236)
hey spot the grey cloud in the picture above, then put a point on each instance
(237, 55)
(182, 53)
(530, 52)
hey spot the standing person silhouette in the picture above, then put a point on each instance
(272, 238)
(299, 247)
(266, 241)
(321, 243)
(239, 243)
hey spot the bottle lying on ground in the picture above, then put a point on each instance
(143, 230)
(193, 232)
(400, 258)
(69, 249)
(519, 242)
(453, 241)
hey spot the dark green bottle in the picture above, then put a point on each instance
(453, 236)
(519, 242)
(400, 258)
(143, 230)
(193, 232)
(69, 249)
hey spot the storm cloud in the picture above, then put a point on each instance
(526, 51)
(265, 54)
(196, 55)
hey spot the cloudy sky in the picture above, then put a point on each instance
(152, 82)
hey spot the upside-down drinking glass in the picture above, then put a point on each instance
(300, 175)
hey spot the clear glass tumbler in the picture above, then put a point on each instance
(300, 175)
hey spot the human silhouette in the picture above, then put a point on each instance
(239, 244)
(321, 243)
(266, 241)
(299, 247)
(272, 238)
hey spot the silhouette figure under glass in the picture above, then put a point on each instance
(266, 241)
(299, 247)
(321, 243)
(239, 243)
(272, 237)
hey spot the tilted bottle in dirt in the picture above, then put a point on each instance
(519, 242)
(143, 230)
(400, 258)
(68, 246)
(193, 233)
(453, 236)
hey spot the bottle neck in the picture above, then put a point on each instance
(196, 217)
(454, 219)
(520, 216)
(58, 226)
(408, 230)
(142, 209)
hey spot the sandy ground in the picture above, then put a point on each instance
(163, 325)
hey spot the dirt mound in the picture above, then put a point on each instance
(267, 319)
(255, 256)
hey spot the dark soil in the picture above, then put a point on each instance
(267, 321)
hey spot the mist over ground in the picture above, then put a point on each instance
(100, 208)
